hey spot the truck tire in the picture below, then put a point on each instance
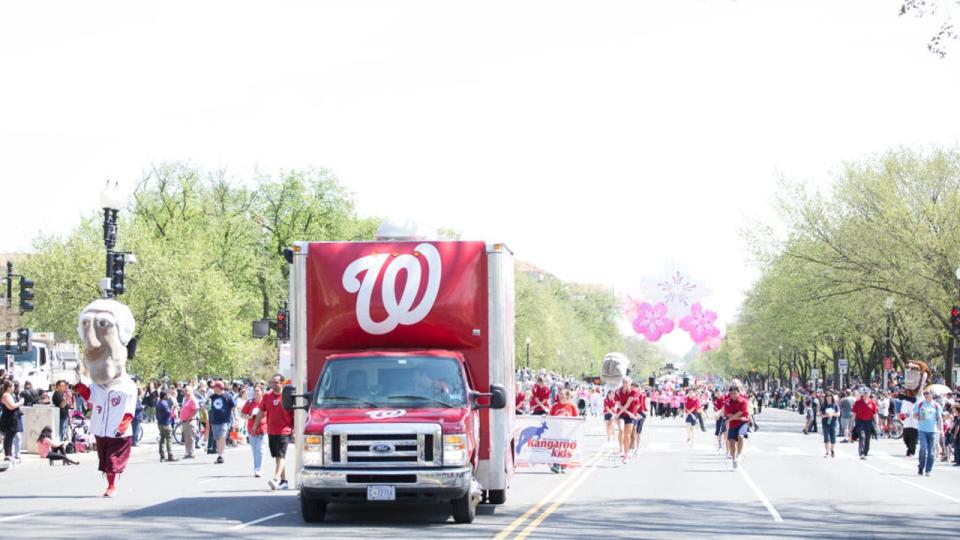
(463, 509)
(312, 510)
(497, 496)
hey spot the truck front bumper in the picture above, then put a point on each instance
(412, 485)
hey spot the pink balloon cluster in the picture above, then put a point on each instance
(652, 321)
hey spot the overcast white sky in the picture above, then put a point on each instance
(598, 139)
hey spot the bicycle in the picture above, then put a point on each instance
(893, 428)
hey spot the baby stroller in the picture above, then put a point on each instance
(81, 440)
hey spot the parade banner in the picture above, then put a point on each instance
(548, 439)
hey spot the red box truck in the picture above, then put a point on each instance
(404, 353)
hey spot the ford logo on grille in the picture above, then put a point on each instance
(382, 448)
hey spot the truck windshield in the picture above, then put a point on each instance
(29, 357)
(390, 381)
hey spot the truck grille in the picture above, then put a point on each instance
(382, 445)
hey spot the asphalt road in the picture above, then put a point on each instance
(785, 488)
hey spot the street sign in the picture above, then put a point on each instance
(814, 374)
(888, 364)
(843, 363)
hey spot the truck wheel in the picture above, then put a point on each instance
(497, 496)
(463, 509)
(312, 510)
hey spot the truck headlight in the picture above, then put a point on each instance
(313, 451)
(455, 449)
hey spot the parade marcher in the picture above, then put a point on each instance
(846, 415)
(692, 406)
(279, 422)
(609, 405)
(929, 416)
(640, 416)
(720, 429)
(520, 399)
(563, 407)
(626, 398)
(737, 412)
(106, 328)
(540, 397)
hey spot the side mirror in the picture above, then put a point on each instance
(497, 395)
(261, 328)
(289, 398)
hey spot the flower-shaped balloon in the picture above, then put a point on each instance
(652, 321)
(699, 324)
(709, 344)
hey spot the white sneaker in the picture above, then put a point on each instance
(734, 463)
(284, 485)
(273, 484)
(257, 474)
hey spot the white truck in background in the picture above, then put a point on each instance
(47, 361)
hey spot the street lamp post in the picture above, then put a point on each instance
(528, 353)
(110, 201)
(780, 367)
(888, 357)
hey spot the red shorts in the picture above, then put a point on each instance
(114, 453)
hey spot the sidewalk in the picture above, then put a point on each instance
(148, 445)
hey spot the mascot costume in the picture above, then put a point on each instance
(915, 379)
(613, 369)
(106, 328)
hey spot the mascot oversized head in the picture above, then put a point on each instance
(915, 378)
(614, 369)
(106, 328)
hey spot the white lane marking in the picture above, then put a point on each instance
(11, 518)
(791, 451)
(918, 486)
(658, 447)
(208, 481)
(763, 498)
(254, 522)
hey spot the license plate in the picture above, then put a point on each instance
(381, 493)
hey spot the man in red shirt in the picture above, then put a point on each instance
(626, 398)
(691, 404)
(737, 413)
(864, 413)
(279, 428)
(540, 397)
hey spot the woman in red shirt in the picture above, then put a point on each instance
(691, 404)
(540, 397)
(609, 404)
(563, 407)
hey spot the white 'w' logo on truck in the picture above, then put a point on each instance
(398, 311)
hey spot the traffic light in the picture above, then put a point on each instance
(283, 331)
(26, 295)
(652, 381)
(955, 322)
(686, 381)
(23, 340)
(117, 265)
